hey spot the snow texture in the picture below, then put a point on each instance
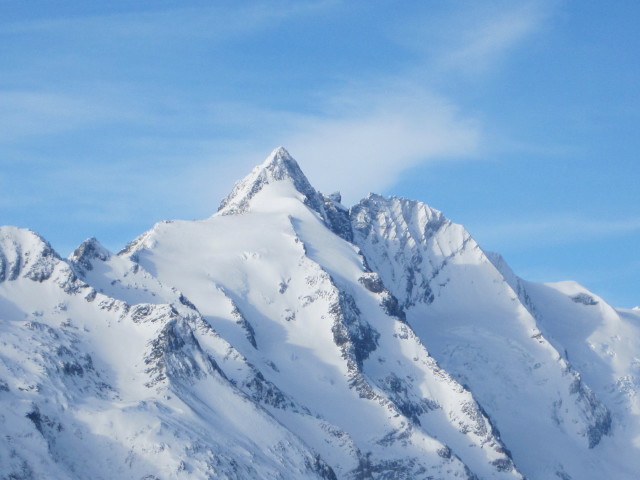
(288, 336)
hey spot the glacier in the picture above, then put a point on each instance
(289, 336)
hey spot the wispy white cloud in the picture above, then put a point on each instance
(487, 37)
(360, 137)
(367, 151)
(366, 135)
(472, 37)
(361, 142)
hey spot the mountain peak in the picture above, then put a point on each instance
(279, 166)
(90, 249)
(25, 253)
(279, 155)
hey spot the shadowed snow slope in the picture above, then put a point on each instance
(287, 336)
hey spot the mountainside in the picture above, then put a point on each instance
(288, 336)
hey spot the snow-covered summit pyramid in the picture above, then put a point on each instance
(279, 167)
(287, 336)
(286, 181)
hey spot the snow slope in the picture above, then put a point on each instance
(474, 323)
(288, 336)
(93, 387)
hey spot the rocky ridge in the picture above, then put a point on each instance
(288, 336)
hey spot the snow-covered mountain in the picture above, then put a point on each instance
(290, 337)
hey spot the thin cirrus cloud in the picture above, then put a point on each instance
(493, 36)
(367, 135)
(401, 122)
(472, 38)
(358, 137)
(367, 152)
(355, 149)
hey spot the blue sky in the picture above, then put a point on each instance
(518, 119)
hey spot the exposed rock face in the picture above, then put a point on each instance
(86, 253)
(401, 240)
(288, 337)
